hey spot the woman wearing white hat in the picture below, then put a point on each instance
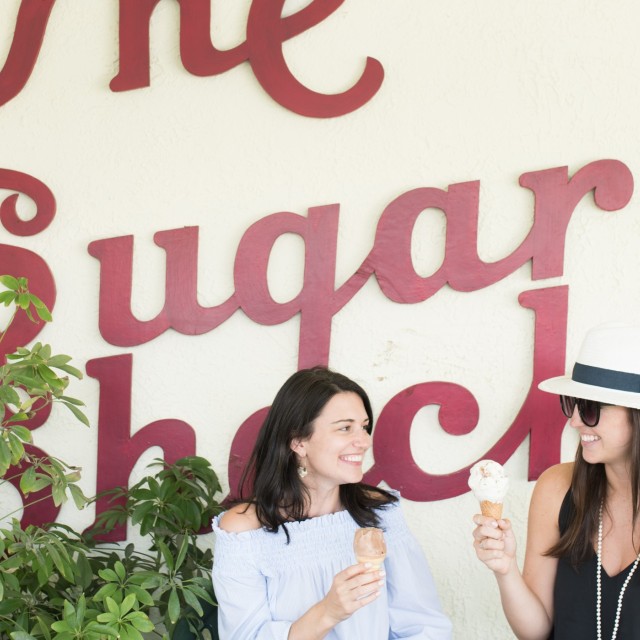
(580, 576)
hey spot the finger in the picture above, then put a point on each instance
(371, 579)
(488, 532)
(366, 596)
(484, 521)
(489, 544)
(356, 570)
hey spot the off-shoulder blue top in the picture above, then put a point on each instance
(263, 584)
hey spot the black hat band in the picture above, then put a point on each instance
(608, 378)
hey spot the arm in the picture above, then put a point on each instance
(414, 607)
(527, 598)
(240, 588)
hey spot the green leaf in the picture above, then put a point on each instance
(9, 282)
(182, 552)
(7, 297)
(27, 480)
(72, 371)
(119, 569)
(69, 614)
(79, 499)
(144, 597)
(49, 375)
(70, 400)
(23, 301)
(200, 593)
(84, 571)
(22, 432)
(40, 483)
(112, 605)
(9, 395)
(107, 590)
(141, 511)
(127, 604)
(36, 302)
(58, 494)
(174, 606)
(18, 417)
(22, 635)
(61, 564)
(45, 352)
(140, 621)
(104, 629)
(191, 599)
(130, 633)
(77, 413)
(17, 449)
(5, 454)
(108, 575)
(43, 314)
(166, 554)
(107, 617)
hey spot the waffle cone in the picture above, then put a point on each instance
(491, 509)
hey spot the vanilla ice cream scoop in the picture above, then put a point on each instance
(369, 546)
(489, 483)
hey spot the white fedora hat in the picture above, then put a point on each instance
(607, 368)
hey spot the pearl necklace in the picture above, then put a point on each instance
(599, 586)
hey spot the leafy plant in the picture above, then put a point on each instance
(58, 584)
(28, 383)
(171, 508)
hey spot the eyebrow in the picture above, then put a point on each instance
(349, 420)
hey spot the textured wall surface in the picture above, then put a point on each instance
(473, 90)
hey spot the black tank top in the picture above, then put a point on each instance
(574, 596)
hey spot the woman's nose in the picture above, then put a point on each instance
(363, 439)
(575, 420)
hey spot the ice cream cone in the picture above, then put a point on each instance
(491, 509)
(369, 546)
(489, 483)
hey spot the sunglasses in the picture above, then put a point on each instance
(588, 410)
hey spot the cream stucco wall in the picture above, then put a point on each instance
(472, 91)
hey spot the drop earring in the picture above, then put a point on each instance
(302, 471)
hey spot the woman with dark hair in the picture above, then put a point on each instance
(580, 577)
(284, 566)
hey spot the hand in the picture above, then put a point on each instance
(494, 543)
(352, 589)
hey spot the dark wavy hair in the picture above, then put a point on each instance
(588, 491)
(270, 480)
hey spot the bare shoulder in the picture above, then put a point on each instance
(548, 494)
(241, 517)
(554, 483)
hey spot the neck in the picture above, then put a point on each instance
(323, 501)
(618, 480)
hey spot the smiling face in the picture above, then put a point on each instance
(334, 452)
(610, 440)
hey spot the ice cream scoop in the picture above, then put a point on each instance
(369, 546)
(489, 483)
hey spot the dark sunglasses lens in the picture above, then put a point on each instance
(568, 405)
(589, 412)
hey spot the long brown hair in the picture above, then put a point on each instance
(270, 480)
(588, 492)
